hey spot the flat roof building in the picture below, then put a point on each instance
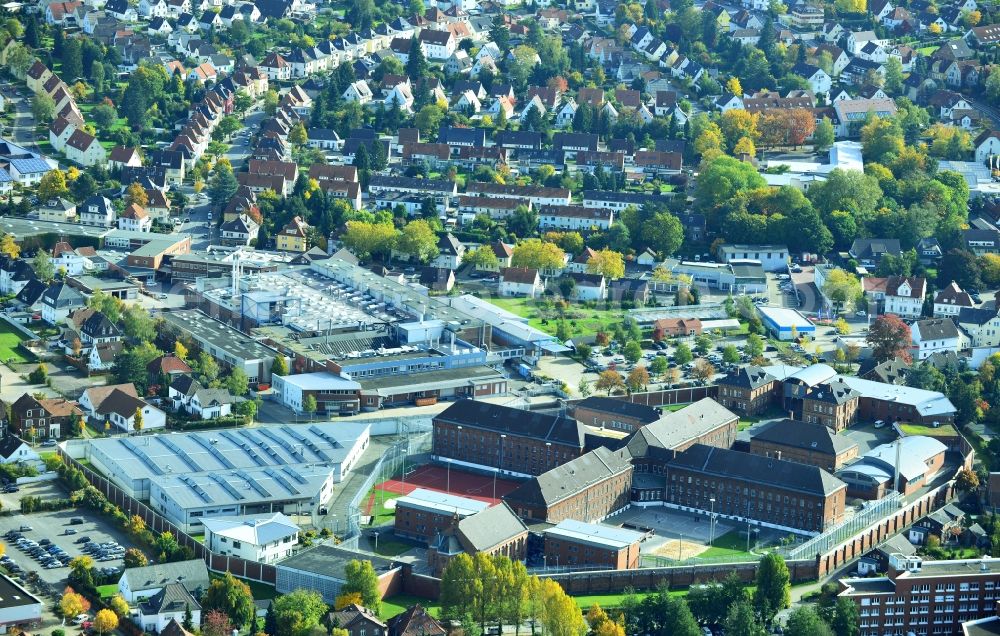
(574, 543)
(323, 569)
(18, 606)
(189, 500)
(783, 323)
(933, 597)
(227, 345)
(134, 462)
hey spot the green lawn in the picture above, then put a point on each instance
(927, 50)
(607, 601)
(381, 514)
(10, 349)
(729, 544)
(946, 430)
(391, 548)
(675, 407)
(401, 602)
(107, 591)
(582, 321)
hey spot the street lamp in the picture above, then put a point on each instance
(500, 467)
(711, 531)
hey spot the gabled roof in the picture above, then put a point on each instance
(415, 621)
(173, 597)
(571, 478)
(491, 527)
(507, 420)
(615, 406)
(812, 437)
(193, 574)
(758, 469)
(748, 377)
(9, 445)
(120, 403)
(674, 429)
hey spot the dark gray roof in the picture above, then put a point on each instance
(60, 295)
(897, 544)
(721, 462)
(802, 435)
(874, 247)
(972, 316)
(571, 478)
(834, 392)
(192, 574)
(936, 329)
(488, 528)
(174, 597)
(9, 444)
(620, 407)
(749, 377)
(511, 421)
(679, 427)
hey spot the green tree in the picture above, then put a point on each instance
(663, 232)
(224, 185)
(483, 257)
(823, 136)
(19, 60)
(842, 288)
(39, 374)
(237, 382)
(279, 366)
(682, 354)
(845, 618)
(804, 621)
(773, 592)
(418, 240)
(43, 108)
(633, 351)
(270, 106)
(43, 266)
(232, 597)
(730, 354)
(104, 115)
(309, 405)
(298, 613)
(741, 620)
(72, 58)
(755, 346)
(362, 579)
(428, 119)
(416, 64)
(702, 344)
(893, 76)
(138, 324)
(500, 33)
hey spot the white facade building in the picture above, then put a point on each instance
(264, 539)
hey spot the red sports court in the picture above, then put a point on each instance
(463, 484)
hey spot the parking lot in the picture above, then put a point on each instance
(43, 489)
(53, 527)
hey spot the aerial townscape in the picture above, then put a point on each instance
(500, 317)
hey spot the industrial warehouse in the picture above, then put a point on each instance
(190, 476)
